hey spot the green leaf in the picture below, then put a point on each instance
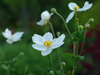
(78, 58)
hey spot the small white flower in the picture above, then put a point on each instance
(12, 37)
(45, 17)
(46, 43)
(74, 7)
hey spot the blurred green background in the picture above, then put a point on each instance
(22, 15)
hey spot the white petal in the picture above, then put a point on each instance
(48, 51)
(72, 5)
(7, 33)
(39, 47)
(61, 38)
(85, 7)
(9, 41)
(58, 40)
(48, 36)
(38, 39)
(57, 45)
(17, 36)
(42, 22)
(70, 16)
(51, 14)
(45, 15)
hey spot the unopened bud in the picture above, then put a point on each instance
(63, 63)
(51, 72)
(53, 10)
(87, 25)
(77, 19)
(91, 19)
(58, 33)
(80, 27)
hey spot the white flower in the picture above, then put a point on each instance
(45, 17)
(12, 37)
(74, 7)
(46, 43)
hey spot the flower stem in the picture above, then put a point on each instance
(75, 45)
(8, 70)
(8, 73)
(77, 42)
(51, 62)
(52, 29)
(60, 61)
(83, 42)
(26, 69)
(74, 68)
(58, 48)
(76, 26)
(64, 24)
(74, 48)
(74, 64)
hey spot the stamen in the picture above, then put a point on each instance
(76, 7)
(48, 43)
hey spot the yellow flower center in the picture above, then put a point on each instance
(48, 43)
(76, 7)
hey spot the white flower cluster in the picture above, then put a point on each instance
(46, 43)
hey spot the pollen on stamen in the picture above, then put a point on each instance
(48, 43)
(76, 7)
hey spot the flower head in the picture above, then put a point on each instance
(46, 43)
(45, 17)
(12, 37)
(74, 7)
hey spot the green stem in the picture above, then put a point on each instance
(77, 48)
(64, 24)
(58, 48)
(60, 61)
(74, 48)
(75, 44)
(26, 68)
(76, 26)
(74, 68)
(51, 62)
(83, 42)
(74, 65)
(52, 29)
(8, 73)
(8, 70)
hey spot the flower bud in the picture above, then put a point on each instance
(58, 33)
(91, 19)
(51, 72)
(87, 25)
(77, 19)
(63, 63)
(80, 27)
(53, 10)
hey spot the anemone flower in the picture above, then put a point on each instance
(46, 43)
(45, 17)
(74, 7)
(12, 37)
